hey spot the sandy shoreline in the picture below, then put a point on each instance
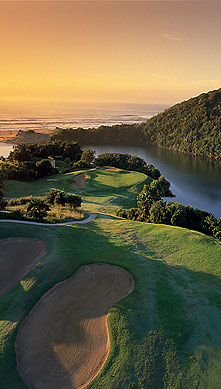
(7, 136)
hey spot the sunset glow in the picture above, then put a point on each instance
(151, 52)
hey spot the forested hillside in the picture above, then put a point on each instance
(192, 126)
(119, 134)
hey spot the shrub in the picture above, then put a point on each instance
(88, 155)
(13, 215)
(50, 197)
(82, 165)
(73, 200)
(38, 209)
(60, 198)
(3, 202)
(20, 201)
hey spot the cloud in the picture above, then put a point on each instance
(170, 37)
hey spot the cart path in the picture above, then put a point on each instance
(85, 221)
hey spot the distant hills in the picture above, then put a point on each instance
(30, 136)
(193, 126)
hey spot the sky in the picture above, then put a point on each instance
(158, 52)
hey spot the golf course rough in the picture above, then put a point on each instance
(17, 256)
(64, 341)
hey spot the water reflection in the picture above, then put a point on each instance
(194, 181)
(5, 149)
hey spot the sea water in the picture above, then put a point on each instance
(194, 181)
(73, 115)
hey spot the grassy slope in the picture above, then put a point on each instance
(105, 190)
(166, 333)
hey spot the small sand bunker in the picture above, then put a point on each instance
(111, 169)
(17, 256)
(64, 342)
(79, 181)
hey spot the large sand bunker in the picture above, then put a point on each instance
(64, 341)
(17, 256)
(79, 181)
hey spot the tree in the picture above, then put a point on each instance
(88, 155)
(158, 213)
(38, 209)
(144, 202)
(160, 188)
(1, 180)
(176, 213)
(20, 153)
(56, 196)
(60, 198)
(50, 197)
(44, 168)
(3, 202)
(74, 200)
(150, 194)
(127, 162)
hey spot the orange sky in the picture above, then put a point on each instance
(138, 52)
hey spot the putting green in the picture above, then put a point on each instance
(167, 332)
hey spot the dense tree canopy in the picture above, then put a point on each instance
(127, 162)
(29, 162)
(28, 170)
(28, 152)
(3, 202)
(119, 134)
(151, 208)
(192, 126)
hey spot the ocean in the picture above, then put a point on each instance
(194, 181)
(74, 115)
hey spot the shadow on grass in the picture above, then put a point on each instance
(161, 301)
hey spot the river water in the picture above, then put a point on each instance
(194, 181)
(5, 149)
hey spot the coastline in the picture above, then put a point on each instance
(9, 137)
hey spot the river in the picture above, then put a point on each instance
(194, 181)
(5, 149)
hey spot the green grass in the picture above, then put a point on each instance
(105, 190)
(166, 334)
(39, 187)
(57, 213)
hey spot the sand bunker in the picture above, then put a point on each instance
(64, 341)
(79, 181)
(17, 256)
(111, 169)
